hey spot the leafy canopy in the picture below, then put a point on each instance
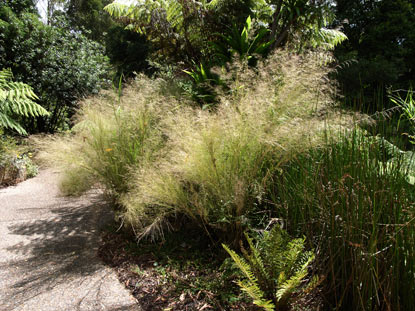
(380, 48)
(190, 26)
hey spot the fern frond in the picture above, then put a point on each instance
(293, 254)
(16, 98)
(117, 10)
(8, 122)
(275, 268)
(289, 286)
(328, 39)
(241, 264)
(274, 243)
(253, 290)
(139, 15)
(256, 260)
(174, 13)
(5, 75)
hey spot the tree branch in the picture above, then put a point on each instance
(275, 19)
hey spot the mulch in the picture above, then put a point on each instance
(153, 290)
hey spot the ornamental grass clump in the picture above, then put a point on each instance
(162, 159)
(219, 167)
(112, 138)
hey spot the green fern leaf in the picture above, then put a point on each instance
(241, 264)
(16, 98)
(276, 267)
(256, 260)
(328, 38)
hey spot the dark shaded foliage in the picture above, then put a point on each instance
(381, 44)
(127, 51)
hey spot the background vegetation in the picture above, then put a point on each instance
(237, 125)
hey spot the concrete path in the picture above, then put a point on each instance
(48, 247)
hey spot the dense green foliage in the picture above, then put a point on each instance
(127, 51)
(19, 6)
(241, 44)
(88, 15)
(61, 65)
(381, 45)
(187, 28)
(272, 145)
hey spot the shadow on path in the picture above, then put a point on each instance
(57, 249)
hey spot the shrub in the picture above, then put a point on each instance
(16, 162)
(161, 158)
(358, 212)
(274, 269)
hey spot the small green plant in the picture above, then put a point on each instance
(408, 110)
(204, 82)
(274, 270)
(16, 99)
(242, 43)
(31, 168)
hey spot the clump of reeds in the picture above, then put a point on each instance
(357, 209)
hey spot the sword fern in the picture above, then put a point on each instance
(274, 270)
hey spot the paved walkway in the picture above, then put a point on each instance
(48, 247)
